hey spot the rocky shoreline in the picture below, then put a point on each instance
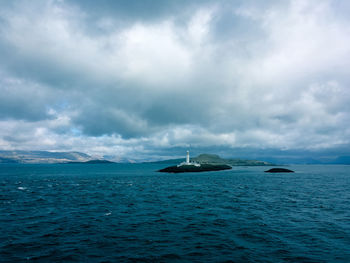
(192, 168)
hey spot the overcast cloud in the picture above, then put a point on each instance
(140, 78)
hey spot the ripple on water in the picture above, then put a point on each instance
(125, 214)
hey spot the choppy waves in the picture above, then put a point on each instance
(129, 213)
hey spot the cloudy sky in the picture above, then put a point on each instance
(152, 78)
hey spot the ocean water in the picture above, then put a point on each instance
(130, 213)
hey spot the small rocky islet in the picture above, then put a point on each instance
(279, 170)
(209, 162)
(192, 169)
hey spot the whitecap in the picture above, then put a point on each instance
(21, 188)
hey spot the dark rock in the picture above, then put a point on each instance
(192, 168)
(279, 170)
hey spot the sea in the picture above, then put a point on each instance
(132, 213)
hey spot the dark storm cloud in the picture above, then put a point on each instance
(157, 9)
(31, 103)
(136, 10)
(134, 76)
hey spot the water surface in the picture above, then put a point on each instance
(130, 213)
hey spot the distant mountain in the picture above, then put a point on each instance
(42, 157)
(169, 161)
(217, 160)
(7, 160)
(98, 162)
(345, 160)
(268, 157)
(342, 160)
(92, 162)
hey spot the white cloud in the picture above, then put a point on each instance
(103, 86)
(153, 55)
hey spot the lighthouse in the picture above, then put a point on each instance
(187, 162)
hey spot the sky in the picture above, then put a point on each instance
(149, 79)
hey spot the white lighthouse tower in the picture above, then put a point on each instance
(187, 162)
(188, 157)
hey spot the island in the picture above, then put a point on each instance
(192, 166)
(206, 158)
(191, 169)
(279, 170)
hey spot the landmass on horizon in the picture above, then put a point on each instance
(215, 159)
(192, 166)
(78, 157)
(209, 162)
(266, 157)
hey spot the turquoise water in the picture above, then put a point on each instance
(130, 213)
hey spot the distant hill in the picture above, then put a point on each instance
(7, 160)
(217, 160)
(42, 157)
(65, 157)
(169, 161)
(344, 160)
(92, 162)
